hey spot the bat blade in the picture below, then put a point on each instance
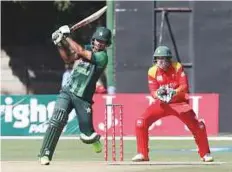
(89, 19)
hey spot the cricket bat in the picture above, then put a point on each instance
(89, 19)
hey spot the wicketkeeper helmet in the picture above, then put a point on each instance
(162, 51)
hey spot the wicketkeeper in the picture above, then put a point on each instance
(78, 92)
(169, 86)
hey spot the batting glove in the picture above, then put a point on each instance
(64, 29)
(57, 37)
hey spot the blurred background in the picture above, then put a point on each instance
(26, 40)
(199, 34)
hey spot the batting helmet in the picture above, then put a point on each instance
(103, 34)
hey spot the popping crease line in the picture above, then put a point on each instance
(220, 138)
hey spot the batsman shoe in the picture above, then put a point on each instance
(44, 160)
(207, 158)
(97, 146)
(139, 157)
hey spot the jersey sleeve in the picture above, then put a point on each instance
(100, 59)
(183, 82)
(152, 82)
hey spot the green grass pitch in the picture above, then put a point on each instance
(73, 155)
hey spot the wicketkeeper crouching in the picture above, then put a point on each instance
(168, 86)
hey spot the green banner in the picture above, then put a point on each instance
(28, 115)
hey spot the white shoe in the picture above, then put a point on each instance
(207, 158)
(139, 157)
(44, 160)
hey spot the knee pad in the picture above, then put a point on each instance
(59, 118)
(90, 139)
(141, 123)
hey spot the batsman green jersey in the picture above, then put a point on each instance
(85, 74)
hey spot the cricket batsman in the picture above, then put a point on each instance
(168, 85)
(78, 92)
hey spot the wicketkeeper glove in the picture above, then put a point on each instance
(170, 93)
(165, 93)
(161, 93)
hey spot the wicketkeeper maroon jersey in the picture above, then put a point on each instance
(175, 77)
